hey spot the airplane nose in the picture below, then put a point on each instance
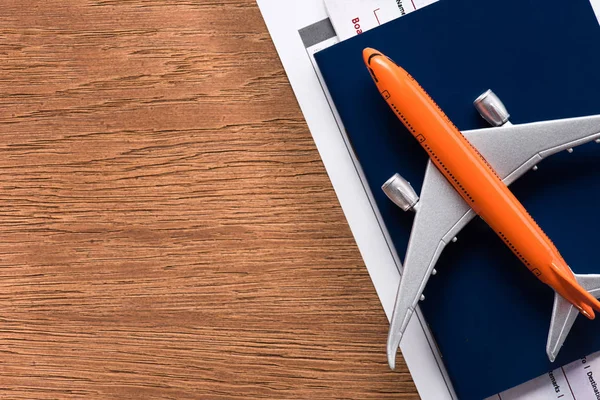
(369, 53)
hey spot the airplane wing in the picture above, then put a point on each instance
(513, 150)
(442, 213)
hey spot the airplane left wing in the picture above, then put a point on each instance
(441, 214)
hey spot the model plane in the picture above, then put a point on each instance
(468, 174)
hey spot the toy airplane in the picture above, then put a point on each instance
(467, 175)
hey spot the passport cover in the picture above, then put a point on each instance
(489, 315)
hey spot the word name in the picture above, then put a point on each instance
(400, 7)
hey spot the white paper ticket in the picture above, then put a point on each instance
(353, 17)
(579, 380)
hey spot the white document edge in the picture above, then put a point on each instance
(284, 19)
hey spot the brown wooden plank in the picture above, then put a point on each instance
(168, 229)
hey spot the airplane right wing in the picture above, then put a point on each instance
(515, 149)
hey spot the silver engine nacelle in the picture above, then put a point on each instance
(492, 109)
(398, 190)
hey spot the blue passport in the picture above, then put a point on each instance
(489, 315)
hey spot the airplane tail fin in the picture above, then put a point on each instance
(564, 314)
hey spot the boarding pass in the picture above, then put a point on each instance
(353, 17)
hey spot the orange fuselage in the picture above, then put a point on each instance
(475, 180)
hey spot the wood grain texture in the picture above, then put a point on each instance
(167, 227)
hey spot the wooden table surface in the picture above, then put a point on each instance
(167, 227)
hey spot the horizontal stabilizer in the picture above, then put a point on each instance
(564, 315)
(591, 283)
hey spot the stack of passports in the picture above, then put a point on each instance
(489, 315)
